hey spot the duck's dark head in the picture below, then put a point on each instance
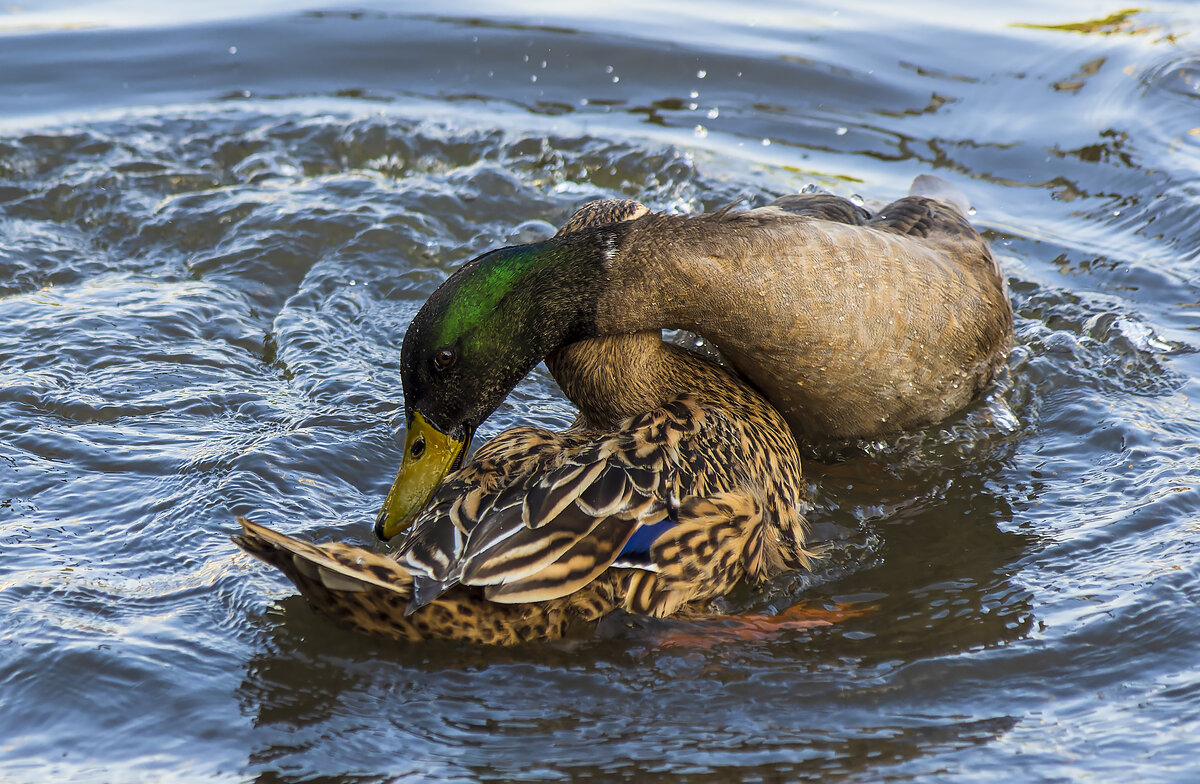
(479, 334)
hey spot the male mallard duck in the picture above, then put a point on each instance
(851, 325)
(676, 482)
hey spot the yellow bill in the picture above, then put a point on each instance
(429, 454)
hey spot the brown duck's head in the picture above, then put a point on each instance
(478, 335)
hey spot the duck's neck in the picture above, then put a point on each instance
(642, 282)
(646, 273)
(685, 272)
(617, 376)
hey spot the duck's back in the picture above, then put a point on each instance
(851, 326)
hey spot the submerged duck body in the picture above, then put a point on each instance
(850, 324)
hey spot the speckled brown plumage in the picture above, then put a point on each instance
(524, 538)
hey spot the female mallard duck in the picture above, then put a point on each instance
(850, 325)
(687, 483)
(676, 482)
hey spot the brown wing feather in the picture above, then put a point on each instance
(912, 216)
(488, 488)
(526, 551)
(556, 491)
(576, 567)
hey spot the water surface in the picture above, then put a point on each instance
(216, 225)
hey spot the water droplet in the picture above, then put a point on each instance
(608, 69)
(533, 78)
(543, 63)
(701, 74)
(1116, 213)
(700, 131)
(233, 50)
(857, 200)
(766, 142)
(694, 94)
(970, 210)
(842, 131)
(714, 113)
(525, 58)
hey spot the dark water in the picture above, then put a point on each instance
(214, 230)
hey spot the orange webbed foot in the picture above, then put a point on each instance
(752, 627)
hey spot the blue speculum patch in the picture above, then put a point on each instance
(638, 547)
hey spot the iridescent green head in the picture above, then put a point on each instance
(479, 334)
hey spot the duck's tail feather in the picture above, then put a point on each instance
(336, 567)
(931, 186)
(348, 584)
(371, 593)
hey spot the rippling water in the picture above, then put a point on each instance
(215, 228)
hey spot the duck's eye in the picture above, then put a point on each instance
(444, 358)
